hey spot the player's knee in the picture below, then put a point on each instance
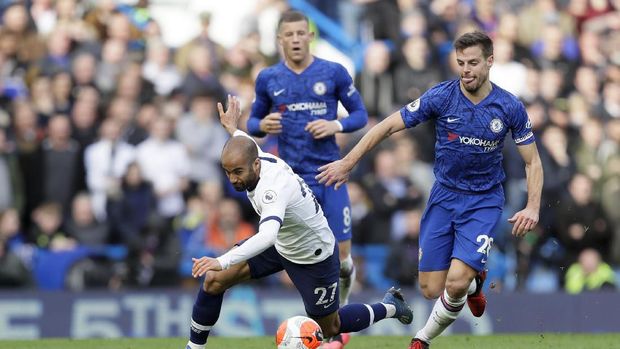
(457, 287)
(431, 291)
(212, 285)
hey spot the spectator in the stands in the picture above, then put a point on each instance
(82, 225)
(589, 273)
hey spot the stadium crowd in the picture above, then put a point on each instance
(110, 143)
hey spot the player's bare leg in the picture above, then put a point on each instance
(208, 303)
(458, 280)
(347, 271)
(432, 283)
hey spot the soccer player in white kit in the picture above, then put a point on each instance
(293, 235)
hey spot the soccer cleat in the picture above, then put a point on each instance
(403, 311)
(418, 344)
(476, 301)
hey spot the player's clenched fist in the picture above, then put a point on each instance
(322, 128)
(271, 123)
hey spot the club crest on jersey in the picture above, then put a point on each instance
(269, 196)
(497, 125)
(413, 106)
(319, 88)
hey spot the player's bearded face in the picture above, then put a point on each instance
(473, 67)
(244, 176)
(295, 38)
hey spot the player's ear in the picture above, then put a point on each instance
(490, 60)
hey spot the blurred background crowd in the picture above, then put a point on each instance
(110, 143)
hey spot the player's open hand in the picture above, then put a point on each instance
(336, 172)
(203, 265)
(523, 221)
(322, 128)
(271, 123)
(230, 118)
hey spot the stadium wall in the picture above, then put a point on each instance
(257, 311)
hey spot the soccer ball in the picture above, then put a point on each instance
(299, 332)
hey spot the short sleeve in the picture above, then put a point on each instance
(423, 108)
(521, 127)
(273, 201)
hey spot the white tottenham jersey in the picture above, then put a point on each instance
(304, 236)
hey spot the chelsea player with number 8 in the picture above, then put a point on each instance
(297, 99)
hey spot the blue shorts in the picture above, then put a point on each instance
(317, 283)
(459, 225)
(336, 207)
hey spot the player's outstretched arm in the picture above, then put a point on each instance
(265, 238)
(337, 172)
(230, 118)
(526, 219)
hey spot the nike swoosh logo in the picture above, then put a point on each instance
(453, 119)
(278, 92)
(483, 261)
(328, 305)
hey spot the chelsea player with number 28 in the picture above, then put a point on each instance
(297, 99)
(472, 118)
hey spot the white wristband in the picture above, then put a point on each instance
(340, 128)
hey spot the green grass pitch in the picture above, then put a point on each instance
(529, 341)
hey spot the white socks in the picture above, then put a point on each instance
(191, 345)
(472, 287)
(390, 310)
(347, 279)
(444, 313)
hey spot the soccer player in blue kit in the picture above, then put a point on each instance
(472, 117)
(297, 99)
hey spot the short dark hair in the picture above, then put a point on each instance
(292, 16)
(476, 38)
(243, 145)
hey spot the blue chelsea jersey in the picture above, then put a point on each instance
(470, 137)
(301, 98)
